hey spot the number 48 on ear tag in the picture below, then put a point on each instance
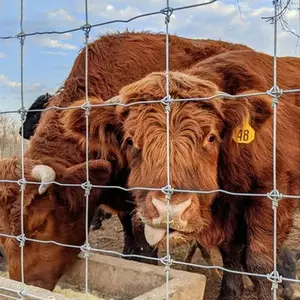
(244, 134)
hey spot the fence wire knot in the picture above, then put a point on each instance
(21, 36)
(22, 292)
(22, 112)
(87, 107)
(167, 190)
(167, 261)
(275, 196)
(86, 249)
(275, 278)
(167, 11)
(87, 186)
(87, 29)
(166, 100)
(21, 239)
(22, 183)
(275, 92)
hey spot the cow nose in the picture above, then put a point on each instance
(175, 212)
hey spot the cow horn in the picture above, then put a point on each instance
(113, 100)
(45, 174)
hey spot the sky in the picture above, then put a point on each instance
(49, 58)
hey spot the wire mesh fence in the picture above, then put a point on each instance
(274, 196)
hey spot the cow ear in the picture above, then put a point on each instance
(99, 172)
(72, 189)
(252, 109)
(104, 129)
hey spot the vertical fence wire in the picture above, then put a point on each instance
(275, 93)
(168, 100)
(86, 29)
(275, 196)
(22, 112)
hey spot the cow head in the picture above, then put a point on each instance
(33, 117)
(52, 213)
(199, 131)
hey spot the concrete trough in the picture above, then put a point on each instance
(120, 279)
(8, 288)
(112, 278)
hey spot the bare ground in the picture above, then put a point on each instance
(110, 237)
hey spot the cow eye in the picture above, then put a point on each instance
(129, 142)
(211, 138)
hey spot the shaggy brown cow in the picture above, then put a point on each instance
(114, 61)
(204, 155)
(58, 220)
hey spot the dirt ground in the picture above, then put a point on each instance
(110, 237)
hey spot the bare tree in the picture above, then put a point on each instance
(10, 140)
(283, 7)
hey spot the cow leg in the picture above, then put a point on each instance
(125, 219)
(232, 287)
(134, 239)
(189, 256)
(99, 216)
(141, 245)
(259, 253)
(260, 263)
(207, 257)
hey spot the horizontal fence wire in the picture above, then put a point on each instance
(273, 196)
(161, 189)
(107, 23)
(162, 101)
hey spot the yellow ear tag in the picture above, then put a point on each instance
(244, 134)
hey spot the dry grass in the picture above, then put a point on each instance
(76, 295)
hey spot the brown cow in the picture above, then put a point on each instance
(204, 155)
(114, 61)
(61, 220)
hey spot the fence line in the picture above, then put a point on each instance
(22, 239)
(274, 196)
(275, 193)
(86, 29)
(167, 260)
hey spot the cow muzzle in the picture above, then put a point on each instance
(156, 227)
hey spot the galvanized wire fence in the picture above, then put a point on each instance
(274, 196)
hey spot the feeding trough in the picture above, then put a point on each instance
(121, 279)
(112, 278)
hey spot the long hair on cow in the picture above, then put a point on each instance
(205, 154)
(222, 143)
(59, 213)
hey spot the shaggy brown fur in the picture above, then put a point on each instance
(197, 163)
(46, 217)
(141, 54)
(233, 72)
(203, 156)
(114, 61)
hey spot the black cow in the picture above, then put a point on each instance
(33, 118)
